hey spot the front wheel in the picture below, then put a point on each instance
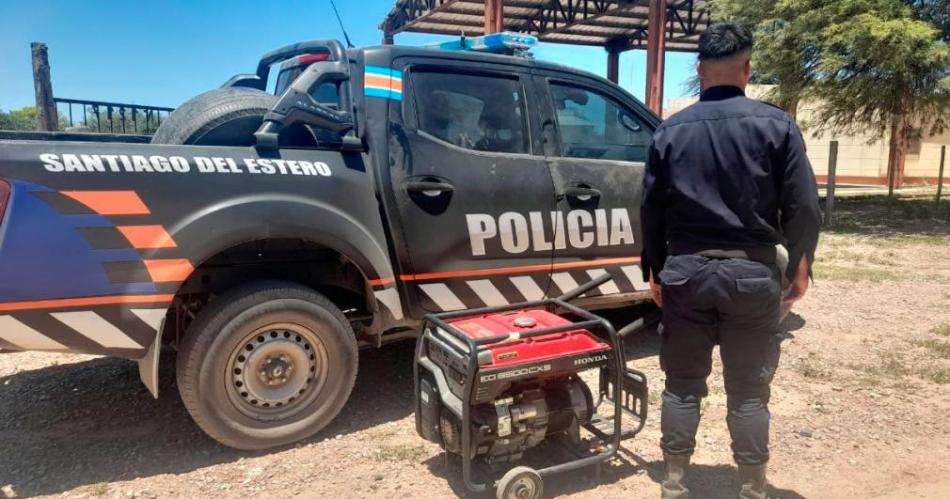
(266, 365)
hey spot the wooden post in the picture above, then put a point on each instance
(656, 50)
(47, 119)
(494, 16)
(613, 64)
(943, 157)
(830, 188)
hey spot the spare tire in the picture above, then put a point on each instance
(226, 116)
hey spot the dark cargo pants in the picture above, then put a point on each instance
(733, 303)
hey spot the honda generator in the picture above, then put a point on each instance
(492, 383)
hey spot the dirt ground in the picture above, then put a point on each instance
(859, 406)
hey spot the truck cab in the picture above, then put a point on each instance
(509, 179)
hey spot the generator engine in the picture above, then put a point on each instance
(523, 389)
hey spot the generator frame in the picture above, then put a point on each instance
(616, 369)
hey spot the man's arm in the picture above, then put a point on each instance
(653, 213)
(801, 216)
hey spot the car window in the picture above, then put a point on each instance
(595, 126)
(483, 113)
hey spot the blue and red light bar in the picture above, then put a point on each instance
(495, 43)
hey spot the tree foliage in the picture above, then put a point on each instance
(935, 12)
(880, 66)
(870, 65)
(21, 119)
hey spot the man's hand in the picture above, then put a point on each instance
(656, 289)
(796, 290)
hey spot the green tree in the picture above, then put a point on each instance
(882, 70)
(787, 48)
(21, 119)
(874, 66)
(936, 12)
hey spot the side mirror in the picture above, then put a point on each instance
(297, 106)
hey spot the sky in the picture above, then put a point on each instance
(162, 52)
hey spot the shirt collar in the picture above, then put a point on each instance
(720, 92)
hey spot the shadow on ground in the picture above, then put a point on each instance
(880, 216)
(708, 482)
(66, 426)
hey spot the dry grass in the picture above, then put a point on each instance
(812, 367)
(941, 330)
(940, 348)
(94, 490)
(401, 452)
(824, 271)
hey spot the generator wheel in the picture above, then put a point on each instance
(520, 482)
(267, 364)
(225, 117)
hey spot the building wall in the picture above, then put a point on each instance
(862, 159)
(923, 166)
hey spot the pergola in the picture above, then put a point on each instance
(617, 25)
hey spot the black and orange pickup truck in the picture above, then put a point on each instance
(267, 235)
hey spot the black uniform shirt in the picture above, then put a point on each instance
(728, 173)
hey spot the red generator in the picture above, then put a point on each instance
(493, 382)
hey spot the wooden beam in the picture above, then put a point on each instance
(613, 65)
(494, 16)
(47, 119)
(656, 50)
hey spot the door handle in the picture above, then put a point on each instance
(582, 192)
(431, 188)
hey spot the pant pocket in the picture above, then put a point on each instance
(756, 285)
(671, 277)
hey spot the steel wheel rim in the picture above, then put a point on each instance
(276, 371)
(523, 487)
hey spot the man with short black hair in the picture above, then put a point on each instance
(727, 189)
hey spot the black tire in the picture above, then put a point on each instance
(233, 349)
(520, 482)
(226, 116)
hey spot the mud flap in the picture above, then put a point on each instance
(148, 365)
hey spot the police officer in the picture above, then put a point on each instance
(727, 183)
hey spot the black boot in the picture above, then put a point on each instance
(674, 477)
(752, 480)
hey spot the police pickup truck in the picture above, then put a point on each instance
(267, 235)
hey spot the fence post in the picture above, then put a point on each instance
(830, 187)
(47, 119)
(943, 157)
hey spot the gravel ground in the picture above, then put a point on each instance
(859, 407)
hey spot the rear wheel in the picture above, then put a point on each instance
(267, 365)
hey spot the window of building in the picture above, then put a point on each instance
(483, 113)
(595, 126)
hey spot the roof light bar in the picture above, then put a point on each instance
(495, 43)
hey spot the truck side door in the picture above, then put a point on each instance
(471, 187)
(600, 137)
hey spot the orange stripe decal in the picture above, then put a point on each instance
(521, 270)
(147, 236)
(111, 202)
(168, 270)
(377, 80)
(85, 302)
(382, 282)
